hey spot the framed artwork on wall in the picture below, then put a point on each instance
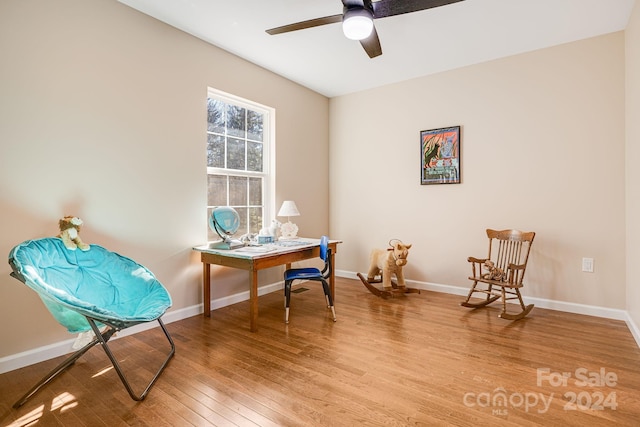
(440, 156)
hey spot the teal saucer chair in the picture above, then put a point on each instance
(95, 290)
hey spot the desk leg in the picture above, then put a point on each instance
(206, 288)
(332, 278)
(253, 297)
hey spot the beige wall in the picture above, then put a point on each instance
(632, 156)
(542, 150)
(102, 115)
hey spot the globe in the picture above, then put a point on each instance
(225, 221)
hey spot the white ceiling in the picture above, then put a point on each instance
(413, 45)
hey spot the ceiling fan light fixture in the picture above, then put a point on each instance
(357, 23)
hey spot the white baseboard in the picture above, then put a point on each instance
(635, 331)
(569, 307)
(40, 354)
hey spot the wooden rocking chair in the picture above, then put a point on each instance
(510, 251)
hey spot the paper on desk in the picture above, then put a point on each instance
(257, 249)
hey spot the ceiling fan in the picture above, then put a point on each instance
(357, 19)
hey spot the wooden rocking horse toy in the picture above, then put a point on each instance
(504, 272)
(384, 264)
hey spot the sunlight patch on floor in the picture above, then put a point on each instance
(104, 371)
(64, 402)
(29, 419)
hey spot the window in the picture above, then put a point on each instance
(239, 171)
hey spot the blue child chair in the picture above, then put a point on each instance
(94, 290)
(311, 273)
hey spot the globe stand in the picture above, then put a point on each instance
(226, 244)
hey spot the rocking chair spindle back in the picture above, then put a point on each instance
(509, 251)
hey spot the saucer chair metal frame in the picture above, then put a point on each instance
(79, 315)
(510, 251)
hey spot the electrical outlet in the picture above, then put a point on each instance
(587, 265)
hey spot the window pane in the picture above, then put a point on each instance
(255, 192)
(215, 151)
(238, 191)
(255, 220)
(237, 144)
(236, 121)
(254, 156)
(254, 125)
(243, 229)
(215, 119)
(236, 156)
(217, 193)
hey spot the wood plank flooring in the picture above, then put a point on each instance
(414, 360)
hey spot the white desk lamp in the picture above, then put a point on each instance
(288, 229)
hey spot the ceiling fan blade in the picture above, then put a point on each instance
(380, 9)
(384, 8)
(306, 24)
(372, 44)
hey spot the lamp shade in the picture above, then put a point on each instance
(357, 23)
(288, 208)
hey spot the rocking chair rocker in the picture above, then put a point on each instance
(510, 249)
(386, 293)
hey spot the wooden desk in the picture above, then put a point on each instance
(253, 262)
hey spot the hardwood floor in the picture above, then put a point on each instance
(418, 360)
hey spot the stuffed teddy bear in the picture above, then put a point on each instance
(69, 229)
(387, 262)
(493, 272)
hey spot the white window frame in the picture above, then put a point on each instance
(268, 152)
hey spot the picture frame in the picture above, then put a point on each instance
(440, 156)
